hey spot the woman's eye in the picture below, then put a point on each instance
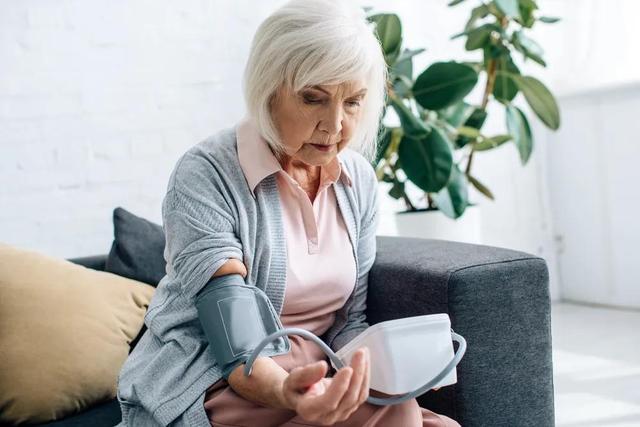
(311, 100)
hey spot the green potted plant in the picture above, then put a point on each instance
(440, 130)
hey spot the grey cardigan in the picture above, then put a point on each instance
(210, 215)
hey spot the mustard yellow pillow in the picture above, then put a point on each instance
(64, 334)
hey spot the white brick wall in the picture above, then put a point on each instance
(98, 99)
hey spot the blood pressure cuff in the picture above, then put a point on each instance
(235, 317)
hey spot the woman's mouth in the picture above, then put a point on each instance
(323, 148)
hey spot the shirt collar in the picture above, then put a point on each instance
(257, 161)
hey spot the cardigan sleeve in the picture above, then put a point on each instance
(199, 229)
(356, 317)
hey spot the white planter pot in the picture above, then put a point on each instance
(434, 224)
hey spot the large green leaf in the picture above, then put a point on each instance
(491, 143)
(480, 187)
(389, 31)
(493, 52)
(548, 19)
(528, 43)
(404, 63)
(509, 7)
(504, 88)
(528, 4)
(476, 120)
(427, 161)
(457, 114)
(403, 68)
(518, 127)
(529, 47)
(410, 53)
(413, 126)
(527, 7)
(468, 132)
(476, 14)
(480, 37)
(402, 86)
(397, 189)
(384, 139)
(453, 199)
(443, 84)
(540, 100)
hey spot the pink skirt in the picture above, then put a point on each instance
(225, 408)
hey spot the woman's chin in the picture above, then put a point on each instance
(319, 158)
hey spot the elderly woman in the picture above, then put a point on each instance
(284, 201)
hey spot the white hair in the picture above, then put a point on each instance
(316, 42)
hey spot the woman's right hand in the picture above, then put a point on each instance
(328, 400)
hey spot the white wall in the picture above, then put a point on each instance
(594, 47)
(595, 199)
(590, 162)
(98, 99)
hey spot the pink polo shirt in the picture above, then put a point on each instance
(321, 269)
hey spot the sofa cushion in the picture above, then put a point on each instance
(103, 415)
(64, 334)
(137, 251)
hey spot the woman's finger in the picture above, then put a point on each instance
(306, 376)
(364, 390)
(350, 400)
(327, 402)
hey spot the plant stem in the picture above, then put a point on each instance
(429, 200)
(407, 202)
(491, 79)
(409, 206)
(468, 168)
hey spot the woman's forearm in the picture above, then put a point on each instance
(264, 385)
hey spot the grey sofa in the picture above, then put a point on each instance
(497, 298)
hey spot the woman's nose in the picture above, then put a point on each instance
(332, 120)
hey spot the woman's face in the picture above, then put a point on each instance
(317, 123)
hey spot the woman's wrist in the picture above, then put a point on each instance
(265, 385)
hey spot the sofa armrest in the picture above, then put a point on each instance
(498, 300)
(96, 262)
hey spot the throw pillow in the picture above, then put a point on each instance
(137, 251)
(64, 334)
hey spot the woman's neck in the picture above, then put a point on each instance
(307, 176)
